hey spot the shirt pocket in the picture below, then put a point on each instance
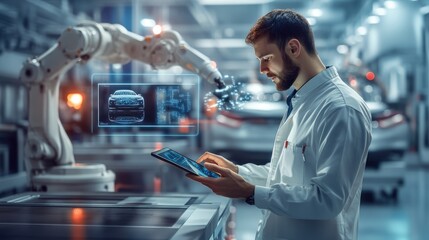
(291, 165)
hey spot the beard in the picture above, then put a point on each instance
(289, 74)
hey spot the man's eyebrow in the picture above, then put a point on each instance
(266, 55)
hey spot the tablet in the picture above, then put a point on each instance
(183, 162)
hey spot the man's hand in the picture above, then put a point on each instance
(230, 184)
(209, 157)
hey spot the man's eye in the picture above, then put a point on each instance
(266, 59)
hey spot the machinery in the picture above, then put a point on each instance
(49, 155)
(106, 215)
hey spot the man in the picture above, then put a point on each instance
(311, 188)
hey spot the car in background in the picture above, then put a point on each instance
(126, 107)
(390, 128)
(247, 134)
(390, 134)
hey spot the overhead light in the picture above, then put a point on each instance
(379, 10)
(390, 4)
(147, 22)
(117, 66)
(312, 21)
(373, 19)
(342, 49)
(235, 2)
(361, 30)
(315, 12)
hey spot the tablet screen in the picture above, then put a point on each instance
(183, 162)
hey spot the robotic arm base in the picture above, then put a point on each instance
(79, 177)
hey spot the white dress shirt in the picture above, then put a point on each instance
(311, 188)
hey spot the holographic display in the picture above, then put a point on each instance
(126, 107)
(146, 104)
(174, 104)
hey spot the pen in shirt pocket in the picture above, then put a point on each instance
(303, 151)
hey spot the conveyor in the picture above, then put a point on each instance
(110, 215)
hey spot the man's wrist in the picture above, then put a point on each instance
(250, 199)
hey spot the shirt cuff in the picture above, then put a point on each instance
(244, 172)
(261, 196)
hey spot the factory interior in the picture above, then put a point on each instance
(96, 94)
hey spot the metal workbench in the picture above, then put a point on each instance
(110, 215)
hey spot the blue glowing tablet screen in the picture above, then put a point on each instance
(186, 163)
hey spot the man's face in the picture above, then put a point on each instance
(276, 65)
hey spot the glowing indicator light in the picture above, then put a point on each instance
(370, 76)
(353, 82)
(213, 64)
(74, 100)
(184, 125)
(147, 22)
(157, 29)
(211, 107)
(77, 215)
(158, 145)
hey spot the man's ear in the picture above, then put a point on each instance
(294, 47)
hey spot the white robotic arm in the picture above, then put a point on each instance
(48, 146)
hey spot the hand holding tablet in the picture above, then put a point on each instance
(170, 156)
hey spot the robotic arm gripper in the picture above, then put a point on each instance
(49, 155)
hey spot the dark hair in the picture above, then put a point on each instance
(281, 25)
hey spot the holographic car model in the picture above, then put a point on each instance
(126, 107)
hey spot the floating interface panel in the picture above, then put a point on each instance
(145, 104)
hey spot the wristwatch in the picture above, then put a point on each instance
(250, 199)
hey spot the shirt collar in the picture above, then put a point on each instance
(324, 76)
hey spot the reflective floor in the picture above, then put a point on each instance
(377, 222)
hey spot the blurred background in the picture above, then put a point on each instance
(380, 48)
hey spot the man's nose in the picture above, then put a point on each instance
(263, 68)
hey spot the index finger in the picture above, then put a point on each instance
(206, 157)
